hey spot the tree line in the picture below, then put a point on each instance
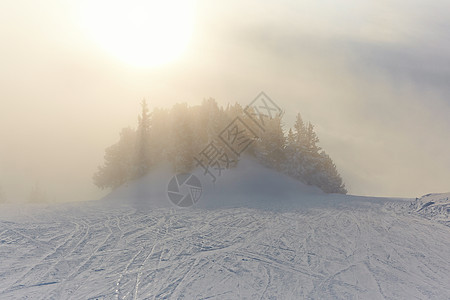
(178, 134)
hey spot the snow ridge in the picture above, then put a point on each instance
(433, 207)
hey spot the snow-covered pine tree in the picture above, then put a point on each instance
(119, 161)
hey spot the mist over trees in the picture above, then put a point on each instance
(2, 195)
(178, 134)
(37, 194)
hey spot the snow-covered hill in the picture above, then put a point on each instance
(253, 235)
(248, 185)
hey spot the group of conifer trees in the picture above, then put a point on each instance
(178, 134)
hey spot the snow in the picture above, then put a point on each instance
(435, 207)
(253, 234)
(247, 185)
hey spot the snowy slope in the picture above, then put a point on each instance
(303, 244)
(248, 185)
(433, 206)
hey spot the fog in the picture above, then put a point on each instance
(373, 78)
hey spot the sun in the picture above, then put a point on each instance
(141, 33)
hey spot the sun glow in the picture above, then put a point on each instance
(142, 33)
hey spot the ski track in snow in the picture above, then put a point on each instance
(373, 251)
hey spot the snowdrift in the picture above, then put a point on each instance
(434, 207)
(247, 185)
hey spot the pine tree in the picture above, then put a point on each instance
(312, 139)
(234, 111)
(290, 140)
(327, 176)
(271, 144)
(311, 156)
(143, 159)
(298, 150)
(181, 144)
(119, 162)
(300, 131)
(213, 115)
(306, 162)
(289, 153)
(159, 135)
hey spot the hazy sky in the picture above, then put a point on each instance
(374, 77)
